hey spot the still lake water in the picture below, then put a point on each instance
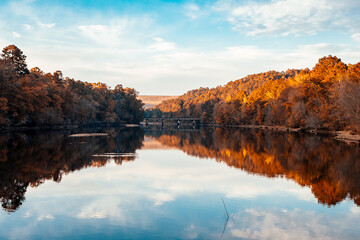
(171, 184)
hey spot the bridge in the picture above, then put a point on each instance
(173, 120)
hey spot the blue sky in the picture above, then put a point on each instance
(169, 47)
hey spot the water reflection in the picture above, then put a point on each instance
(31, 159)
(175, 188)
(329, 167)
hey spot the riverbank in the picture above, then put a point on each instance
(346, 136)
(5, 129)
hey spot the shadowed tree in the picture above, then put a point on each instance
(15, 59)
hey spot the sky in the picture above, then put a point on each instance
(170, 47)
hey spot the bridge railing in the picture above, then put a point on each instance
(172, 119)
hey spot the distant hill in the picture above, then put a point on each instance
(152, 100)
(238, 90)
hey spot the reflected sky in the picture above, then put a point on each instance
(165, 193)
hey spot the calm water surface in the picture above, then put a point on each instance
(171, 184)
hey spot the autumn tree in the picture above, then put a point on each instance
(35, 98)
(15, 60)
(324, 97)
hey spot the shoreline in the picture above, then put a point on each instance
(342, 135)
(6, 129)
(345, 136)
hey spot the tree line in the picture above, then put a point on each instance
(328, 96)
(34, 98)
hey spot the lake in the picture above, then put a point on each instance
(211, 183)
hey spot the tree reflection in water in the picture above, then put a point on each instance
(329, 167)
(27, 159)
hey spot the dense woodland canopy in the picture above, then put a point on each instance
(328, 96)
(35, 98)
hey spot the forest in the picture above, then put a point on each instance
(325, 97)
(34, 98)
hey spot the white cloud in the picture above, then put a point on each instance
(121, 32)
(45, 216)
(356, 36)
(355, 210)
(274, 224)
(27, 27)
(102, 33)
(159, 67)
(136, 50)
(192, 10)
(21, 8)
(102, 208)
(285, 17)
(192, 7)
(46, 25)
(16, 35)
(162, 45)
(162, 197)
(310, 53)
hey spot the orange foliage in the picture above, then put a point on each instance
(34, 98)
(325, 97)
